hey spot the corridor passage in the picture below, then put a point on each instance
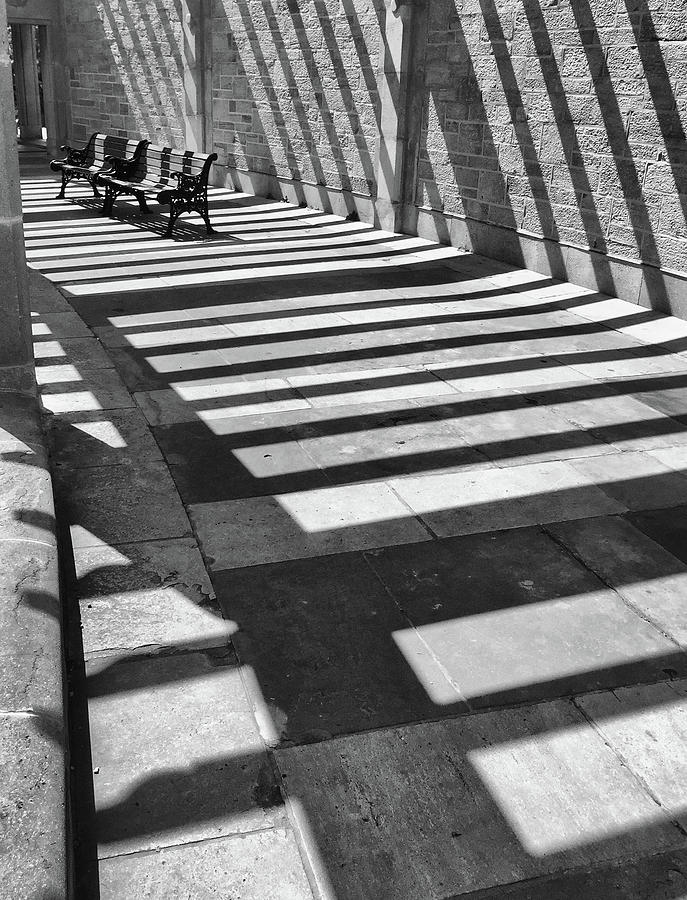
(380, 556)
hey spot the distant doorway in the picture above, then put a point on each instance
(28, 43)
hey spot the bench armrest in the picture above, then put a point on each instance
(74, 157)
(118, 167)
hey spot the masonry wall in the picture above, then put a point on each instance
(565, 120)
(295, 89)
(126, 68)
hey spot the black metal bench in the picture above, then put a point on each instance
(87, 163)
(177, 178)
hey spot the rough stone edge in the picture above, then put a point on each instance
(39, 861)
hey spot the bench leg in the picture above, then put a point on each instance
(110, 197)
(206, 219)
(143, 206)
(61, 195)
(96, 192)
(170, 225)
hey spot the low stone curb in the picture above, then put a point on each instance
(34, 856)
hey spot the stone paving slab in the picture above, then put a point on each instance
(207, 467)
(323, 521)
(511, 617)
(638, 480)
(147, 597)
(620, 420)
(264, 865)
(65, 390)
(659, 877)
(197, 769)
(499, 797)
(167, 407)
(506, 498)
(370, 442)
(525, 434)
(647, 576)
(498, 373)
(58, 325)
(668, 527)
(668, 395)
(20, 425)
(318, 635)
(84, 353)
(119, 504)
(367, 387)
(101, 438)
(647, 726)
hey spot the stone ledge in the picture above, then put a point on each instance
(33, 736)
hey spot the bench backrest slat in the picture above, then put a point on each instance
(102, 145)
(157, 163)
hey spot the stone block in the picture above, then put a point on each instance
(507, 793)
(265, 865)
(197, 770)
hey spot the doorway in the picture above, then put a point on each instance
(32, 75)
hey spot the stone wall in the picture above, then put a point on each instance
(564, 120)
(126, 68)
(295, 89)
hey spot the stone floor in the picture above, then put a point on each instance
(379, 554)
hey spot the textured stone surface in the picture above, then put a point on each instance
(65, 390)
(207, 466)
(506, 498)
(262, 866)
(196, 770)
(663, 875)
(510, 616)
(32, 796)
(116, 504)
(646, 726)
(101, 438)
(259, 530)
(26, 498)
(318, 635)
(668, 527)
(646, 575)
(30, 623)
(499, 797)
(147, 596)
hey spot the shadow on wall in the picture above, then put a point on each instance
(560, 121)
(126, 69)
(297, 91)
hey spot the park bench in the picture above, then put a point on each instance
(88, 162)
(175, 178)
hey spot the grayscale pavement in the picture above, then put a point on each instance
(380, 556)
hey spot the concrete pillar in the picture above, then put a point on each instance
(197, 37)
(26, 81)
(16, 352)
(403, 36)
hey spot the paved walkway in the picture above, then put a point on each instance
(380, 557)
